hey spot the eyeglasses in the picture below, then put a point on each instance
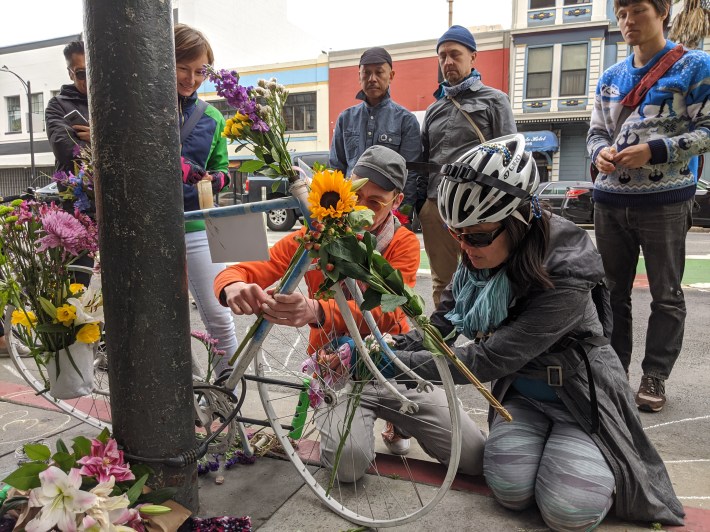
(78, 74)
(373, 204)
(477, 240)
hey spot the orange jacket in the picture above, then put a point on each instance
(402, 254)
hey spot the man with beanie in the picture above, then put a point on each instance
(244, 288)
(378, 120)
(466, 113)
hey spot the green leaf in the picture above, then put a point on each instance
(390, 302)
(275, 155)
(104, 436)
(371, 300)
(157, 496)
(395, 282)
(251, 166)
(134, 492)
(276, 184)
(14, 503)
(51, 328)
(64, 461)
(353, 270)
(37, 452)
(347, 248)
(48, 307)
(81, 447)
(139, 470)
(415, 303)
(26, 477)
(270, 172)
(61, 446)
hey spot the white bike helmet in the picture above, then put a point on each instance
(487, 183)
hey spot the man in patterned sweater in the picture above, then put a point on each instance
(645, 188)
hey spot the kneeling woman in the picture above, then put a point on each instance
(522, 292)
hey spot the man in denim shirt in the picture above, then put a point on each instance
(377, 120)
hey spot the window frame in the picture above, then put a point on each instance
(304, 107)
(585, 83)
(17, 114)
(549, 72)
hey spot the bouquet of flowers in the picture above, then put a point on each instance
(57, 318)
(258, 122)
(78, 187)
(88, 488)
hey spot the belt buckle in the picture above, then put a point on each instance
(554, 376)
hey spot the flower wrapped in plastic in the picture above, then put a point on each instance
(87, 486)
(52, 312)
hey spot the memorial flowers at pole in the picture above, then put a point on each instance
(56, 317)
(87, 486)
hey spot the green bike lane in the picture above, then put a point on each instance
(697, 271)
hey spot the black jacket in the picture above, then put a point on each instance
(527, 344)
(60, 134)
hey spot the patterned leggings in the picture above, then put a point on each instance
(544, 456)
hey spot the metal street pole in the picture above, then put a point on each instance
(135, 144)
(26, 85)
(32, 138)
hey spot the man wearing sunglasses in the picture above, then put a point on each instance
(65, 134)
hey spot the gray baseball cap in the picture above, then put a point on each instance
(383, 166)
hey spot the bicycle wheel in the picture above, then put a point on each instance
(394, 490)
(94, 408)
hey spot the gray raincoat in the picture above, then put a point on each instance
(525, 345)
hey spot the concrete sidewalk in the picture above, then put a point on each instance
(273, 495)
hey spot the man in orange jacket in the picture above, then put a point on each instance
(243, 287)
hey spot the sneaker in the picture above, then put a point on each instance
(652, 394)
(395, 443)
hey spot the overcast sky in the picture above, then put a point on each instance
(338, 24)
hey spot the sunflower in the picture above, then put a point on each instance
(331, 195)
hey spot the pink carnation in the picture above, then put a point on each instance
(104, 462)
(62, 230)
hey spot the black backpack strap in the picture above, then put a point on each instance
(190, 123)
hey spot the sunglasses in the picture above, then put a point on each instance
(78, 74)
(477, 240)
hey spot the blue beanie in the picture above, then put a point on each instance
(460, 35)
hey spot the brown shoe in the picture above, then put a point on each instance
(652, 394)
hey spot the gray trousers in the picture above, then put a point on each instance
(543, 456)
(431, 426)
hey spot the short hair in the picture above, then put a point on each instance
(660, 6)
(191, 44)
(74, 47)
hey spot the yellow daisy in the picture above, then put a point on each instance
(331, 195)
(89, 333)
(25, 318)
(75, 288)
(66, 314)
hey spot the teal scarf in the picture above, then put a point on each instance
(480, 301)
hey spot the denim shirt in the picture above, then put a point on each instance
(362, 126)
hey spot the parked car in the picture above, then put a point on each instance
(578, 205)
(701, 208)
(258, 188)
(48, 193)
(553, 192)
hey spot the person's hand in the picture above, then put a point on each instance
(245, 298)
(605, 160)
(83, 132)
(294, 309)
(192, 172)
(633, 156)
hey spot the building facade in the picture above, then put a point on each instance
(559, 50)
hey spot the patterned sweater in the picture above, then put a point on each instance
(673, 118)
